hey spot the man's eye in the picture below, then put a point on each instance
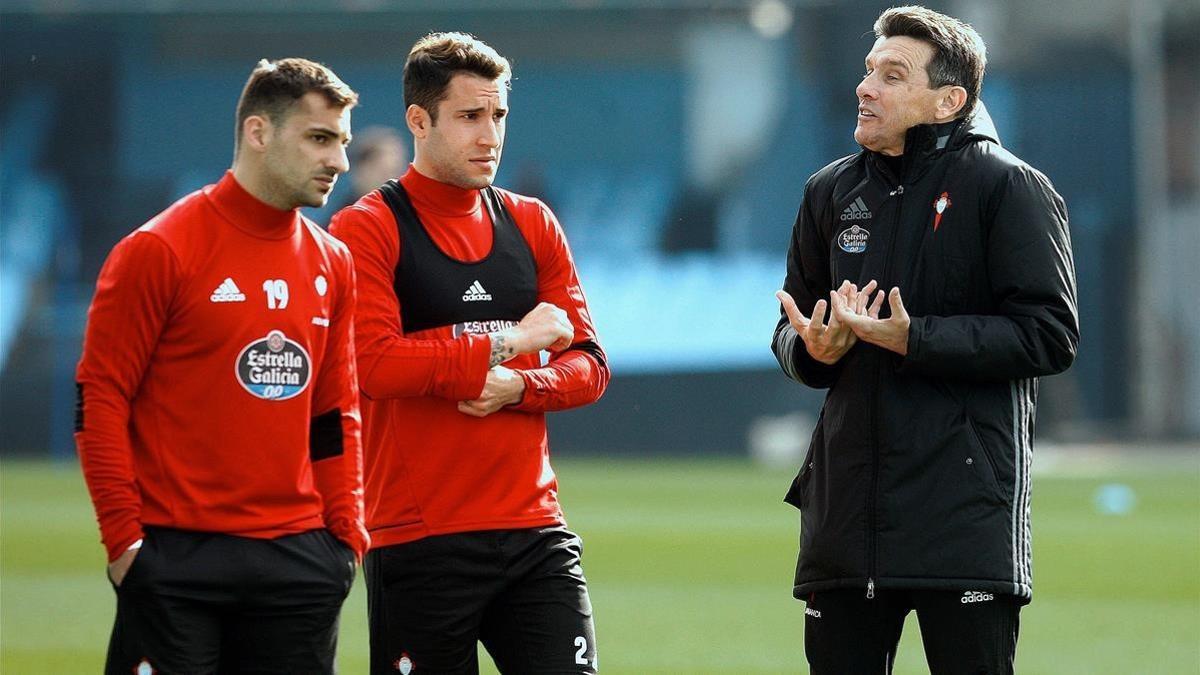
(321, 140)
(470, 116)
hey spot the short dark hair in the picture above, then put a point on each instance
(959, 55)
(275, 86)
(437, 57)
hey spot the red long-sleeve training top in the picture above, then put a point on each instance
(217, 386)
(429, 468)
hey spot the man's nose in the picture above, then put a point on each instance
(491, 135)
(865, 89)
(340, 161)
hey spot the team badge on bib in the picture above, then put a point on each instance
(274, 367)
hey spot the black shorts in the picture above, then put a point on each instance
(962, 631)
(201, 602)
(519, 592)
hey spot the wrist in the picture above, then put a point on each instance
(521, 341)
(518, 391)
(506, 344)
(516, 339)
(901, 347)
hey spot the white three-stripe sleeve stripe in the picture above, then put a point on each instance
(1030, 399)
(785, 349)
(1026, 456)
(1017, 485)
(1023, 397)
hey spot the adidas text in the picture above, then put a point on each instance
(476, 293)
(814, 613)
(227, 292)
(857, 211)
(975, 596)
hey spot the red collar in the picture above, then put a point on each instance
(429, 195)
(248, 213)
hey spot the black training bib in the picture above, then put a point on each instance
(435, 290)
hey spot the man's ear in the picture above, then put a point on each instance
(418, 121)
(951, 99)
(256, 132)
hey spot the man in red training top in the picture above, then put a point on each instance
(462, 286)
(218, 420)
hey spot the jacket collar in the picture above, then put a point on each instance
(931, 138)
(925, 142)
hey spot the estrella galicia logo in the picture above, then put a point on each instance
(482, 327)
(853, 239)
(273, 368)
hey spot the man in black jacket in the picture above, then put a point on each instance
(915, 491)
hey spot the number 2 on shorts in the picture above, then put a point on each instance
(581, 655)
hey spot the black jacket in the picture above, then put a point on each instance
(917, 475)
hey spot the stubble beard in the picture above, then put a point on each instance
(314, 199)
(283, 192)
(461, 178)
(298, 197)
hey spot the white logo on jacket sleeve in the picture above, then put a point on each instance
(273, 368)
(321, 284)
(227, 292)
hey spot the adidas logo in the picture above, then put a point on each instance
(476, 293)
(857, 211)
(227, 292)
(975, 596)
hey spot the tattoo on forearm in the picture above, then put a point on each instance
(501, 350)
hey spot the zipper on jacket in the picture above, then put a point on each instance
(872, 500)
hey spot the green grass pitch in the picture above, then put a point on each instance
(690, 566)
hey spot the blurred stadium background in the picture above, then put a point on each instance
(673, 139)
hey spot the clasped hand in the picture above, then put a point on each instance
(546, 326)
(504, 386)
(853, 316)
